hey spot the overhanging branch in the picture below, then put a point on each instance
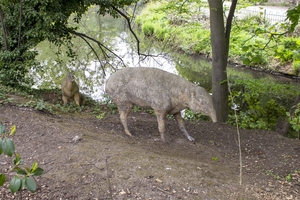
(130, 28)
(128, 20)
(101, 46)
(229, 22)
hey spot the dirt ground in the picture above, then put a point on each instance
(88, 158)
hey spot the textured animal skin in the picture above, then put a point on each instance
(162, 91)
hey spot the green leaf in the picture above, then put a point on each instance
(256, 59)
(245, 48)
(17, 160)
(2, 179)
(30, 184)
(293, 15)
(13, 130)
(2, 129)
(22, 172)
(215, 158)
(39, 171)
(246, 61)
(8, 146)
(15, 184)
(34, 166)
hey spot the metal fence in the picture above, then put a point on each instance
(272, 17)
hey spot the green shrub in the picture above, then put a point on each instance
(287, 49)
(260, 102)
(294, 120)
(23, 177)
(254, 41)
(296, 67)
(148, 29)
(190, 115)
(160, 32)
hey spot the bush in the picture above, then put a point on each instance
(24, 176)
(296, 67)
(260, 102)
(294, 120)
(254, 41)
(148, 29)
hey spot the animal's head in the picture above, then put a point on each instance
(70, 76)
(201, 102)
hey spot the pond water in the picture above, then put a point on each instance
(93, 66)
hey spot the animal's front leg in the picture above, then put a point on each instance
(161, 124)
(65, 99)
(77, 99)
(182, 126)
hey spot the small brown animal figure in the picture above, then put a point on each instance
(162, 91)
(70, 90)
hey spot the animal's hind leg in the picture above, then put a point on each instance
(182, 126)
(124, 110)
(161, 124)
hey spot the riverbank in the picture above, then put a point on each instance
(255, 42)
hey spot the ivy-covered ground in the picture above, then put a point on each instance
(89, 158)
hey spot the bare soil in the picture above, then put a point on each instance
(88, 158)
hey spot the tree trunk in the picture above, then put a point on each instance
(219, 60)
(4, 33)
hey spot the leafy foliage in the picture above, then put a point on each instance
(293, 14)
(294, 120)
(190, 115)
(110, 104)
(27, 23)
(254, 41)
(260, 102)
(23, 177)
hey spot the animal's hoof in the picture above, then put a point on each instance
(191, 139)
(129, 134)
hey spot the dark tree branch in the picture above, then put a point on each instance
(272, 36)
(229, 22)
(130, 28)
(104, 48)
(128, 20)
(101, 46)
(182, 5)
(94, 52)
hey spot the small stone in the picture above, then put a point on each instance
(158, 180)
(76, 138)
(122, 192)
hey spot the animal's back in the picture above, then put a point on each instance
(146, 87)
